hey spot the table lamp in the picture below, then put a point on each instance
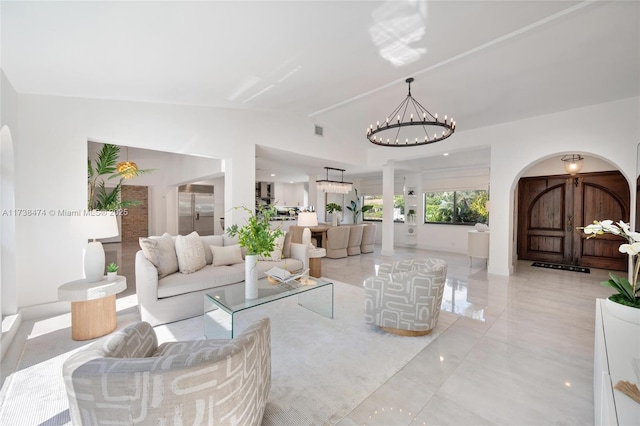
(97, 224)
(306, 219)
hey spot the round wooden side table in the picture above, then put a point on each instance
(93, 306)
(315, 261)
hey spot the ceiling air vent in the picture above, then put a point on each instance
(319, 130)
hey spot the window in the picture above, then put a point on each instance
(457, 207)
(375, 211)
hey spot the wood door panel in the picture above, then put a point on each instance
(546, 246)
(547, 210)
(603, 197)
(544, 235)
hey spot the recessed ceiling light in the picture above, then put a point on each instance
(273, 174)
(445, 154)
(290, 181)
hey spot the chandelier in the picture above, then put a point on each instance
(127, 169)
(423, 128)
(334, 186)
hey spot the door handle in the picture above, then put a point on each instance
(569, 223)
(197, 216)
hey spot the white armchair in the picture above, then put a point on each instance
(126, 378)
(405, 297)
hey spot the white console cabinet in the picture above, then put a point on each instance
(478, 245)
(616, 350)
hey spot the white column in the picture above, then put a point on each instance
(387, 208)
(239, 184)
(314, 199)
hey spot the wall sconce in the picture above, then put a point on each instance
(572, 163)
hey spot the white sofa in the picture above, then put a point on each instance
(177, 296)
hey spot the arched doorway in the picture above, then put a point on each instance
(551, 207)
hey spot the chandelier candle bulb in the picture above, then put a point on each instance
(411, 116)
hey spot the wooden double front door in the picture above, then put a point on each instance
(550, 208)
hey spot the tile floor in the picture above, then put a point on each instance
(519, 349)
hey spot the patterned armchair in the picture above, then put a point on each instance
(126, 378)
(405, 297)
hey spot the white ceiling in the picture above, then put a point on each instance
(343, 63)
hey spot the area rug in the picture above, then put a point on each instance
(321, 368)
(571, 268)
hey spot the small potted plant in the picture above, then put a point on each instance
(411, 216)
(112, 271)
(335, 209)
(258, 238)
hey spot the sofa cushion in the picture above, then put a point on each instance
(161, 252)
(286, 245)
(206, 278)
(210, 240)
(228, 255)
(190, 253)
(276, 254)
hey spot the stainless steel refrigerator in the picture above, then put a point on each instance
(195, 209)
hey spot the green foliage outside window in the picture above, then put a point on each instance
(375, 201)
(462, 207)
(375, 211)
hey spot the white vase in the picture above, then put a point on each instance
(623, 312)
(251, 276)
(334, 219)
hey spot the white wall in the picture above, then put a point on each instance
(9, 138)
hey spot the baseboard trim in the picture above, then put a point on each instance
(10, 326)
(45, 310)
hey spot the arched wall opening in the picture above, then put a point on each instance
(550, 165)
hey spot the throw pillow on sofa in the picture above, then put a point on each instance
(190, 253)
(227, 255)
(162, 253)
(276, 254)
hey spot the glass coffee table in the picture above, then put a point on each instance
(221, 306)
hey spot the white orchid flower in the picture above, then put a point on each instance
(630, 249)
(594, 228)
(631, 235)
(608, 226)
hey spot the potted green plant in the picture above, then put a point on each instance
(258, 238)
(411, 216)
(112, 271)
(356, 210)
(626, 303)
(335, 209)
